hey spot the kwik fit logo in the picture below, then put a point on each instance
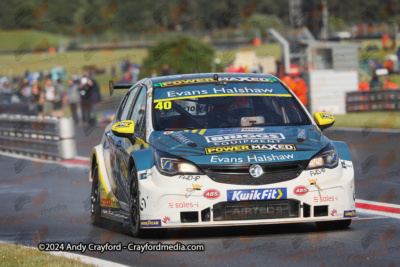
(257, 194)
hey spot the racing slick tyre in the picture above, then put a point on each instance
(95, 214)
(342, 224)
(134, 211)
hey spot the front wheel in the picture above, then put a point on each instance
(328, 225)
(95, 212)
(134, 211)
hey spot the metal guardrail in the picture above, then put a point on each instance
(48, 137)
(387, 99)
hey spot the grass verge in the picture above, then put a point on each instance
(18, 255)
(371, 119)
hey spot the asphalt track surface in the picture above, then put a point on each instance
(49, 202)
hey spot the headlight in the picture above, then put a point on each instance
(171, 165)
(326, 158)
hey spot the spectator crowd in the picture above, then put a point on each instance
(47, 91)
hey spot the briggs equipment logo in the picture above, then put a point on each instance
(259, 194)
(230, 137)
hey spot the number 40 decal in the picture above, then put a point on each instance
(164, 105)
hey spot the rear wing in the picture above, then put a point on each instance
(118, 86)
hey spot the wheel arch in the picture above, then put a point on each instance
(141, 160)
(93, 162)
(343, 150)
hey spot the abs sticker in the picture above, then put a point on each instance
(300, 190)
(257, 194)
(211, 194)
(225, 149)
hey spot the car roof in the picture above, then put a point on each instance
(170, 78)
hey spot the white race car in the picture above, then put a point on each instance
(219, 150)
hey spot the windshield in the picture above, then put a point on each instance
(207, 106)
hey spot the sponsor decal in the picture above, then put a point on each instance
(166, 163)
(245, 141)
(345, 166)
(326, 199)
(263, 158)
(191, 190)
(182, 139)
(258, 147)
(301, 135)
(211, 194)
(168, 132)
(237, 130)
(105, 202)
(333, 212)
(166, 219)
(211, 80)
(349, 213)
(257, 194)
(143, 176)
(183, 93)
(197, 187)
(217, 92)
(189, 177)
(300, 190)
(326, 116)
(183, 205)
(269, 158)
(317, 171)
(123, 124)
(242, 136)
(312, 181)
(142, 204)
(150, 223)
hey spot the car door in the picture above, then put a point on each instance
(138, 117)
(115, 146)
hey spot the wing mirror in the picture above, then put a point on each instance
(324, 120)
(124, 129)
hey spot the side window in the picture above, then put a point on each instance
(138, 114)
(128, 104)
(122, 106)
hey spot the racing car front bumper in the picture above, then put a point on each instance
(198, 201)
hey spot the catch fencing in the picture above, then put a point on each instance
(388, 99)
(44, 137)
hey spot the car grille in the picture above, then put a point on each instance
(256, 210)
(239, 174)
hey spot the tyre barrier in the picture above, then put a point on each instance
(44, 137)
(388, 99)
